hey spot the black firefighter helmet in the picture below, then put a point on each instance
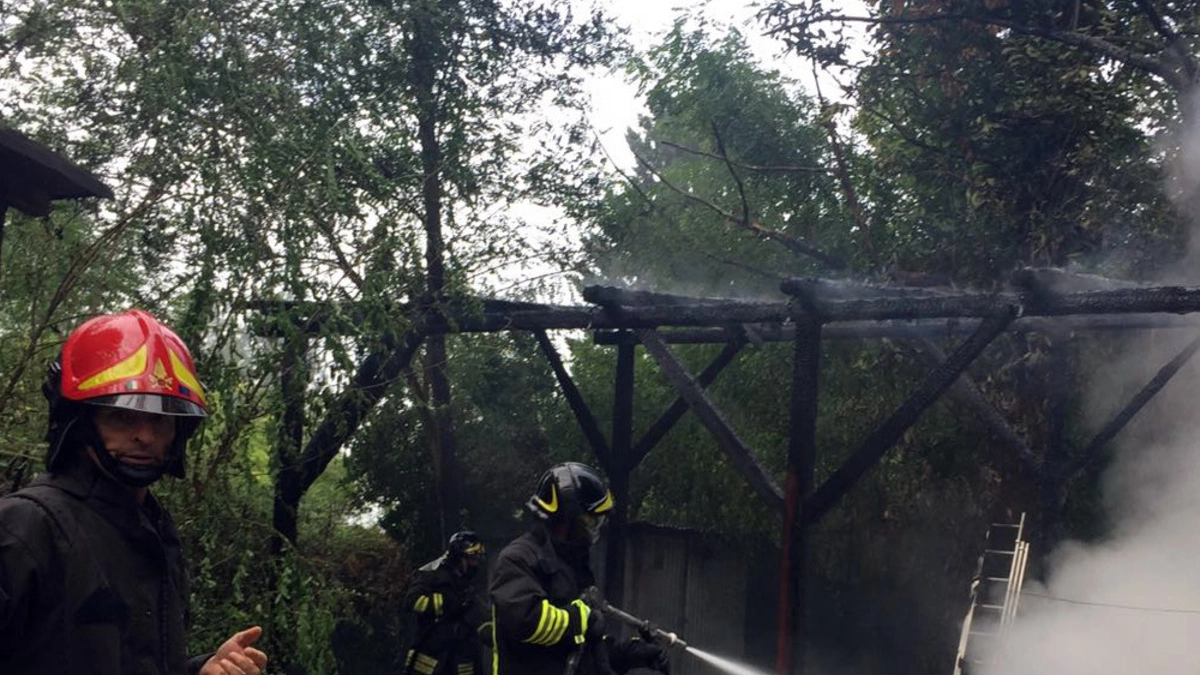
(574, 493)
(463, 545)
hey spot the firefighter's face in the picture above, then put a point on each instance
(585, 529)
(135, 437)
(469, 566)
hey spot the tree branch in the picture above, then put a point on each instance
(742, 165)
(741, 188)
(792, 244)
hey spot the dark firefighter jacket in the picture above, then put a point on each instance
(91, 582)
(448, 616)
(532, 588)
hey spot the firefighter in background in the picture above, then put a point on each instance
(541, 624)
(442, 597)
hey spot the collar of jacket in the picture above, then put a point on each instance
(112, 500)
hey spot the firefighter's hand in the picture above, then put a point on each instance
(585, 623)
(236, 656)
(626, 655)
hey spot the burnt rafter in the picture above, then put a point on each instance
(919, 328)
(490, 316)
(734, 448)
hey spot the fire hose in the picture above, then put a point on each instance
(592, 597)
(597, 602)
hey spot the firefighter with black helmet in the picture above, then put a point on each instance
(92, 575)
(442, 597)
(542, 625)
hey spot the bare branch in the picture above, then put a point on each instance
(1157, 20)
(736, 178)
(791, 243)
(343, 264)
(782, 168)
(1102, 46)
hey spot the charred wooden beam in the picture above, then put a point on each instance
(618, 471)
(583, 413)
(883, 438)
(667, 420)
(612, 295)
(485, 316)
(802, 455)
(739, 454)
(923, 328)
(1091, 454)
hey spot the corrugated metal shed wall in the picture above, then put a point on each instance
(690, 585)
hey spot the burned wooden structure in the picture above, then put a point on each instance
(32, 176)
(812, 310)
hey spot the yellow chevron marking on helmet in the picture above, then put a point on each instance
(553, 505)
(131, 367)
(606, 504)
(186, 376)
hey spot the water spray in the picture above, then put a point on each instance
(592, 597)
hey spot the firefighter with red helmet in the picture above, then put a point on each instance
(541, 623)
(92, 575)
(442, 596)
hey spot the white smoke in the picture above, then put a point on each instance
(1131, 604)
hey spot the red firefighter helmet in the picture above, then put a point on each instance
(127, 360)
(130, 360)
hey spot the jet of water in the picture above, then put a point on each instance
(731, 667)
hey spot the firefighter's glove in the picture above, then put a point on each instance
(586, 624)
(625, 655)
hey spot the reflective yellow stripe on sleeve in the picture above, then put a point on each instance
(551, 625)
(437, 604)
(425, 664)
(421, 604)
(495, 646)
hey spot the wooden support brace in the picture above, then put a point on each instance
(883, 438)
(738, 453)
(583, 414)
(1091, 454)
(964, 390)
(667, 420)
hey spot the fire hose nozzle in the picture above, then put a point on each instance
(672, 639)
(592, 595)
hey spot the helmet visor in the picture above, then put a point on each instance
(150, 403)
(593, 525)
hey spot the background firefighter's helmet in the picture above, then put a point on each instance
(464, 544)
(127, 360)
(569, 490)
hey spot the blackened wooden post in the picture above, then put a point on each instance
(1056, 462)
(618, 470)
(802, 445)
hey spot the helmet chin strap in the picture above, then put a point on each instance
(135, 476)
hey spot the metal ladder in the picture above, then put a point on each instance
(995, 593)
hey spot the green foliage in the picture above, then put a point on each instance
(506, 413)
(728, 152)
